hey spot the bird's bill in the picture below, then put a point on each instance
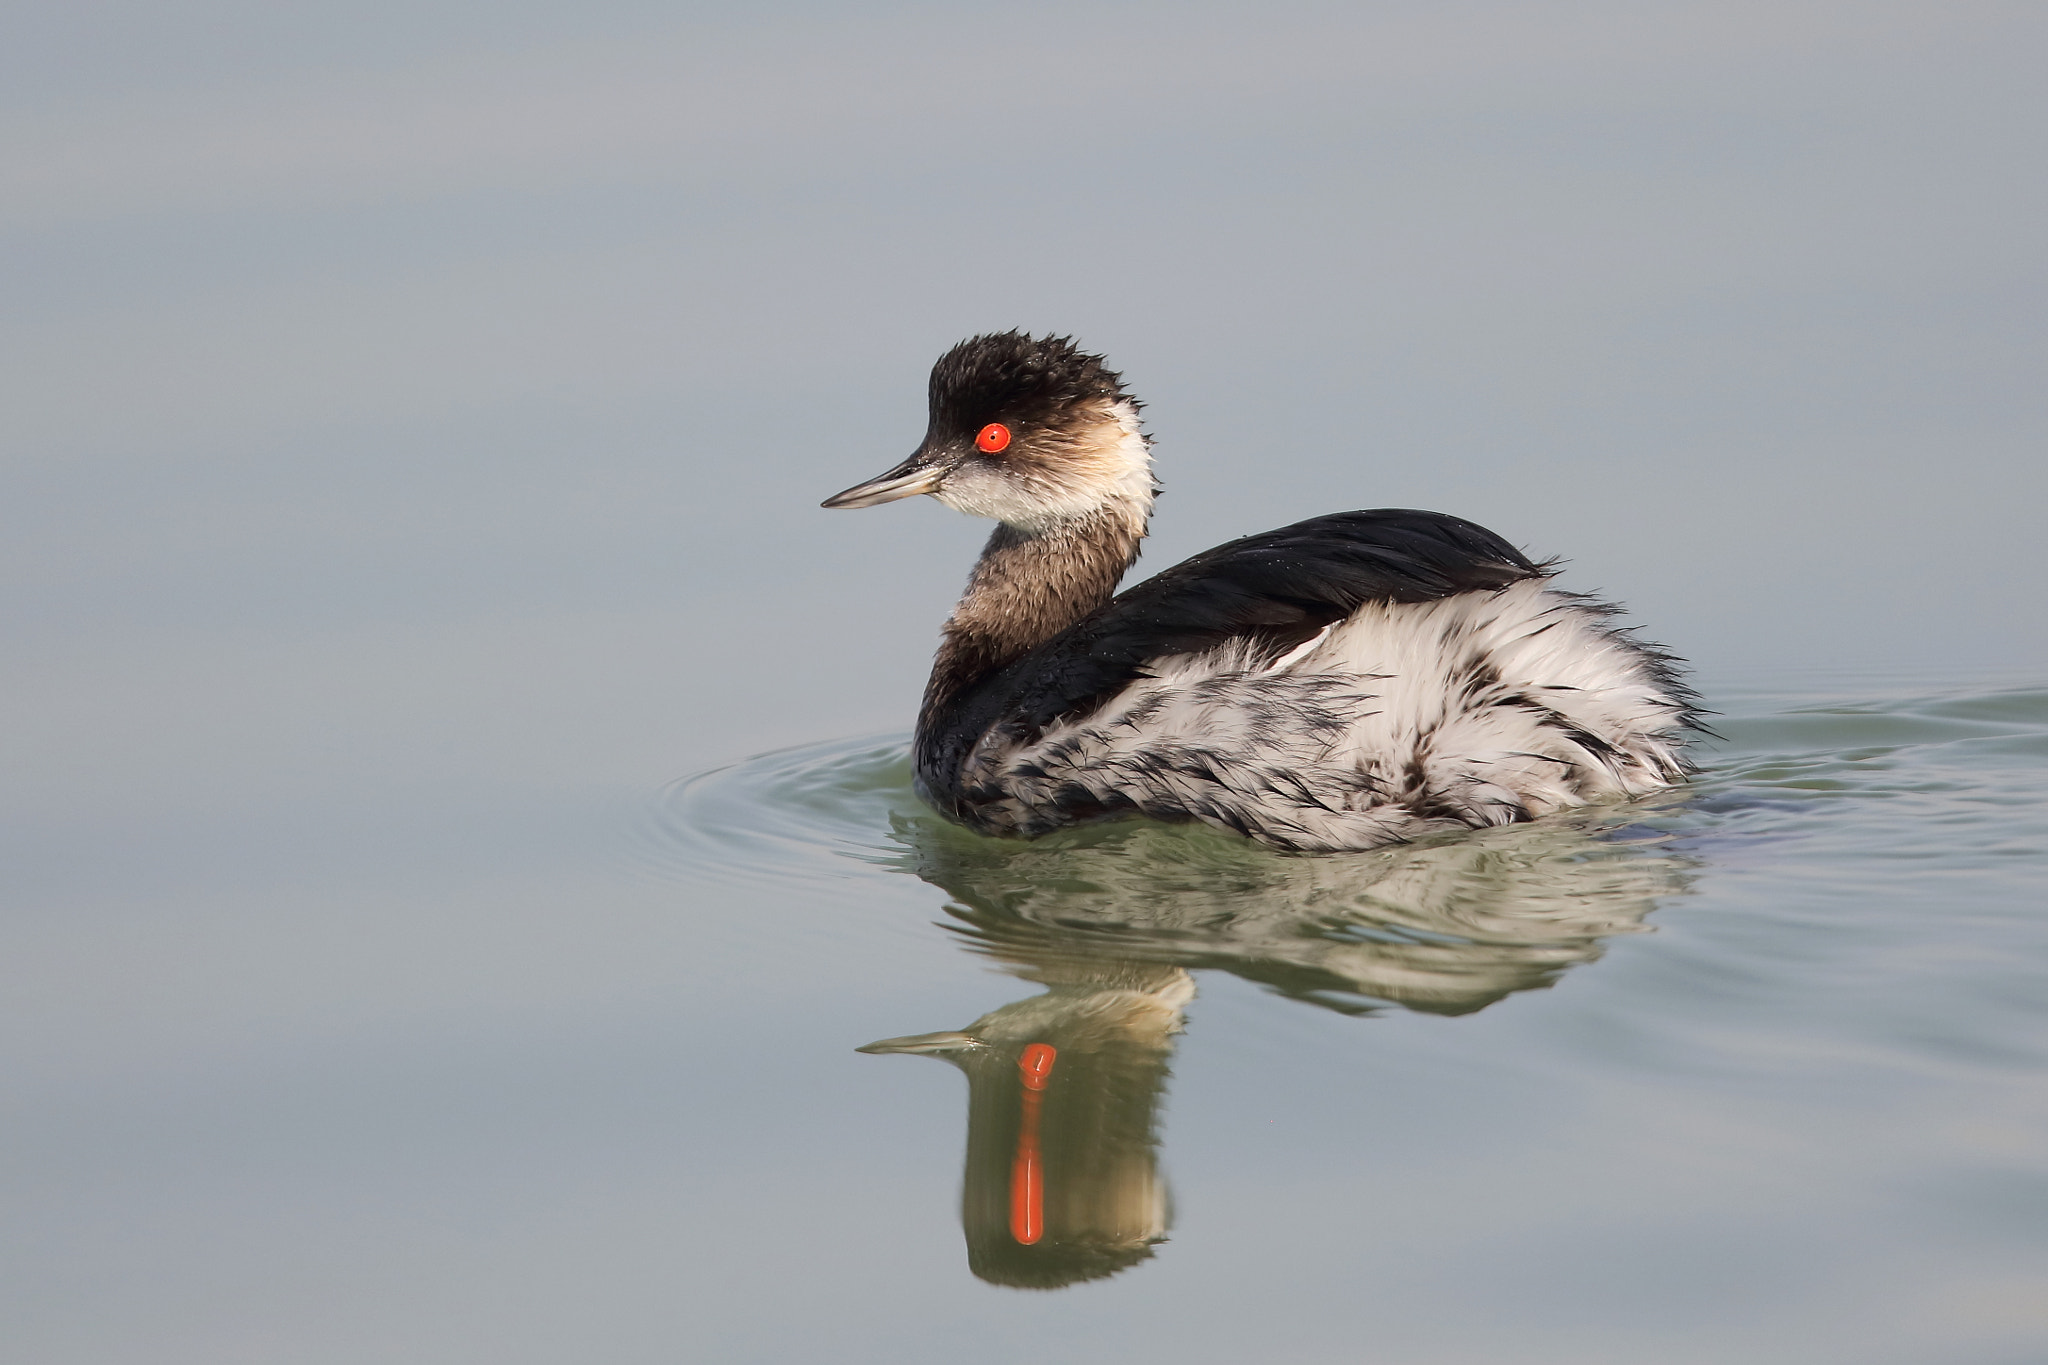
(921, 1043)
(906, 480)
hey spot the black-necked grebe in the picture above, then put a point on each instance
(1346, 682)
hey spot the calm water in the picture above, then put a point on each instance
(409, 460)
(1758, 1071)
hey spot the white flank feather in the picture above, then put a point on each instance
(1403, 719)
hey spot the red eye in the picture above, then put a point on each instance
(995, 436)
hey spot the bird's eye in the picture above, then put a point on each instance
(995, 436)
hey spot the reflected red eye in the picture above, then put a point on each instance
(993, 437)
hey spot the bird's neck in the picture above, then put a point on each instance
(1028, 586)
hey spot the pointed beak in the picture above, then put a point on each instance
(924, 1043)
(915, 475)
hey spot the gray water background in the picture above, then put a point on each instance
(413, 419)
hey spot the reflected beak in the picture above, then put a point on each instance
(925, 1043)
(906, 480)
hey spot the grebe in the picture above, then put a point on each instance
(1350, 681)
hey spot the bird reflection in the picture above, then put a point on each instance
(1064, 1088)
(1063, 1179)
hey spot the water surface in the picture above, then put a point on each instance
(1757, 1069)
(409, 467)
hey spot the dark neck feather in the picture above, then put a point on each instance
(1027, 587)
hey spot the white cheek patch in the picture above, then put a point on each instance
(981, 491)
(1108, 466)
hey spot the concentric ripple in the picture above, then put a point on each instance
(1945, 781)
(819, 812)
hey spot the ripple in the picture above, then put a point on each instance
(1925, 784)
(811, 813)
(1448, 925)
